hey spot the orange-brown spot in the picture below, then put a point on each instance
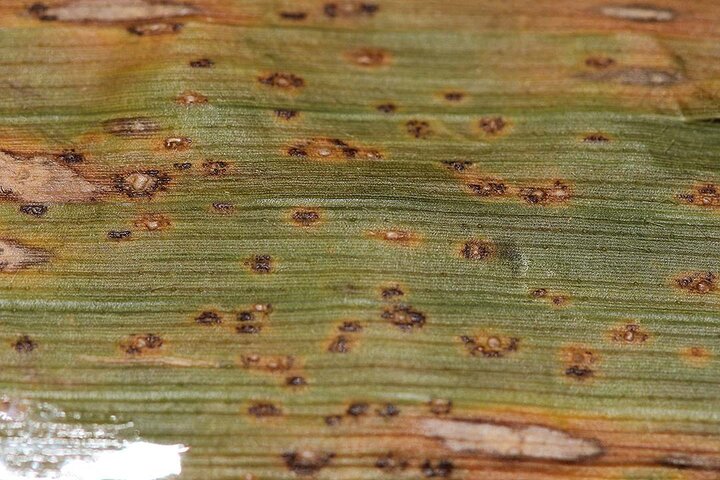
(440, 406)
(306, 217)
(405, 317)
(696, 356)
(141, 183)
(488, 188)
(490, 345)
(155, 28)
(264, 409)
(331, 149)
(698, 282)
(340, 344)
(399, 237)
(190, 97)
(368, 57)
(599, 62)
(419, 129)
(559, 192)
(177, 143)
(629, 334)
(260, 264)
(24, 344)
(208, 318)
(286, 81)
(141, 344)
(477, 250)
(153, 222)
(580, 362)
(707, 195)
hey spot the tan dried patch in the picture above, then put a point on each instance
(331, 149)
(153, 222)
(580, 362)
(177, 143)
(696, 356)
(558, 192)
(490, 345)
(282, 80)
(350, 9)
(143, 183)
(488, 187)
(268, 363)
(707, 195)
(629, 334)
(638, 13)
(42, 178)
(142, 344)
(638, 76)
(161, 361)
(156, 28)
(477, 250)
(368, 57)
(190, 97)
(112, 11)
(133, 127)
(397, 237)
(697, 282)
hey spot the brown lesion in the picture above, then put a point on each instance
(306, 217)
(558, 192)
(368, 57)
(420, 129)
(555, 299)
(141, 344)
(579, 362)
(477, 249)
(131, 127)
(153, 222)
(350, 9)
(704, 195)
(24, 344)
(111, 11)
(209, 317)
(281, 80)
(488, 187)
(268, 363)
(341, 344)
(191, 97)
(630, 333)
(141, 183)
(331, 149)
(155, 28)
(490, 345)
(306, 462)
(405, 317)
(396, 236)
(696, 355)
(264, 409)
(261, 263)
(16, 256)
(700, 283)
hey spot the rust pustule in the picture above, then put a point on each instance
(490, 345)
(144, 183)
(24, 344)
(14, 256)
(208, 317)
(111, 11)
(138, 344)
(306, 462)
(419, 129)
(698, 282)
(282, 80)
(477, 250)
(559, 192)
(134, 127)
(405, 317)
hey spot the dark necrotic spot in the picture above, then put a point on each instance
(119, 234)
(138, 127)
(282, 80)
(160, 28)
(286, 114)
(488, 188)
(305, 217)
(418, 128)
(182, 166)
(386, 107)
(350, 327)
(264, 409)
(578, 372)
(223, 207)
(208, 318)
(248, 329)
(295, 381)
(458, 165)
(141, 184)
(599, 62)
(596, 138)
(34, 209)
(698, 282)
(454, 96)
(392, 293)
(24, 344)
(340, 344)
(305, 462)
(390, 463)
(492, 125)
(137, 344)
(477, 250)
(388, 410)
(71, 156)
(357, 409)
(534, 195)
(260, 264)
(215, 168)
(404, 317)
(440, 406)
(293, 15)
(440, 469)
(202, 63)
(332, 420)
(246, 316)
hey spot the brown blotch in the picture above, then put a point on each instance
(177, 143)
(119, 235)
(272, 364)
(388, 410)
(333, 420)
(559, 192)
(696, 356)
(459, 166)
(135, 127)
(368, 57)
(306, 462)
(638, 12)
(698, 282)
(223, 208)
(190, 97)
(138, 344)
(707, 195)
(202, 63)
(357, 409)
(157, 28)
(282, 80)
(111, 11)
(580, 362)
(440, 469)
(386, 108)
(350, 8)
(15, 256)
(260, 263)
(24, 344)
(34, 209)
(153, 222)
(331, 149)
(454, 96)
(440, 406)
(295, 16)
(305, 217)
(599, 62)
(208, 317)
(390, 463)
(405, 317)
(539, 293)
(490, 346)
(488, 188)
(182, 166)
(477, 250)
(340, 344)
(143, 183)
(492, 125)
(629, 334)
(262, 309)
(596, 138)
(40, 177)
(248, 329)
(350, 327)
(392, 293)
(419, 128)
(264, 409)
(286, 114)
(215, 168)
